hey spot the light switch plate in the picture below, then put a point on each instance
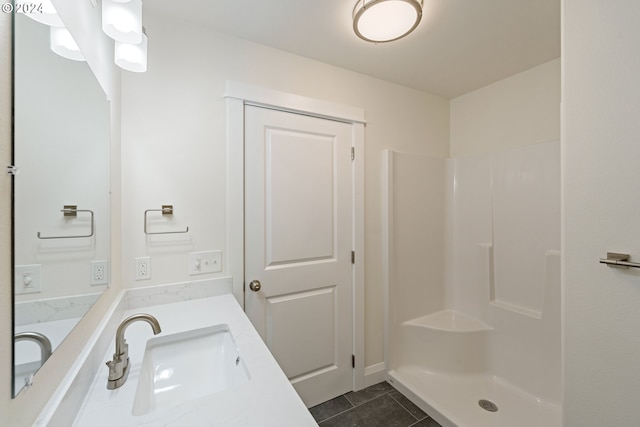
(205, 262)
(28, 279)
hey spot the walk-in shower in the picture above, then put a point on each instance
(472, 285)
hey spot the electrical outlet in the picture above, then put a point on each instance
(205, 262)
(28, 279)
(143, 268)
(99, 273)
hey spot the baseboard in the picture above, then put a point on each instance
(374, 374)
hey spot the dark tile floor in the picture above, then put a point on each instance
(380, 405)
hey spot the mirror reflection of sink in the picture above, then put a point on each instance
(187, 366)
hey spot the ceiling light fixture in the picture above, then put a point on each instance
(122, 20)
(132, 57)
(381, 21)
(63, 44)
(60, 39)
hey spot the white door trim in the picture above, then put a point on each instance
(293, 103)
(237, 95)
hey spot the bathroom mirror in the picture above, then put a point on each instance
(61, 195)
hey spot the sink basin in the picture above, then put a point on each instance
(187, 366)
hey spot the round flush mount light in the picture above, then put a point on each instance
(381, 21)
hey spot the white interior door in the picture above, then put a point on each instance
(601, 210)
(298, 234)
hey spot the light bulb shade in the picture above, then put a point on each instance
(132, 57)
(63, 44)
(48, 16)
(381, 21)
(122, 21)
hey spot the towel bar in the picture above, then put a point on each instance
(617, 260)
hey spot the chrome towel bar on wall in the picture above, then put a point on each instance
(617, 260)
(72, 211)
(166, 210)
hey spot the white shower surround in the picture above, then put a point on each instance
(472, 280)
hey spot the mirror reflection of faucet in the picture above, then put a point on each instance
(119, 366)
(38, 338)
(45, 349)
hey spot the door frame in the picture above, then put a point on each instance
(236, 96)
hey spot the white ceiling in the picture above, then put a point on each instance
(460, 45)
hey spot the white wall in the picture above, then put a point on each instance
(520, 110)
(601, 130)
(174, 143)
(23, 410)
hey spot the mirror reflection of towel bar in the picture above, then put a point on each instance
(70, 210)
(617, 260)
(166, 210)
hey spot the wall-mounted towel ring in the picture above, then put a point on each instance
(166, 210)
(72, 211)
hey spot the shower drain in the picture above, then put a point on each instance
(488, 405)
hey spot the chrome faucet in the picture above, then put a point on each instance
(38, 338)
(119, 366)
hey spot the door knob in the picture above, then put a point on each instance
(255, 285)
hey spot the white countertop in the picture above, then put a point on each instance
(268, 399)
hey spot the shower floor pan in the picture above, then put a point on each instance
(452, 400)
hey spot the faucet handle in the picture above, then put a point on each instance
(117, 366)
(115, 369)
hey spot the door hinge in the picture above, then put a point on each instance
(353, 257)
(353, 153)
(12, 170)
(353, 360)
